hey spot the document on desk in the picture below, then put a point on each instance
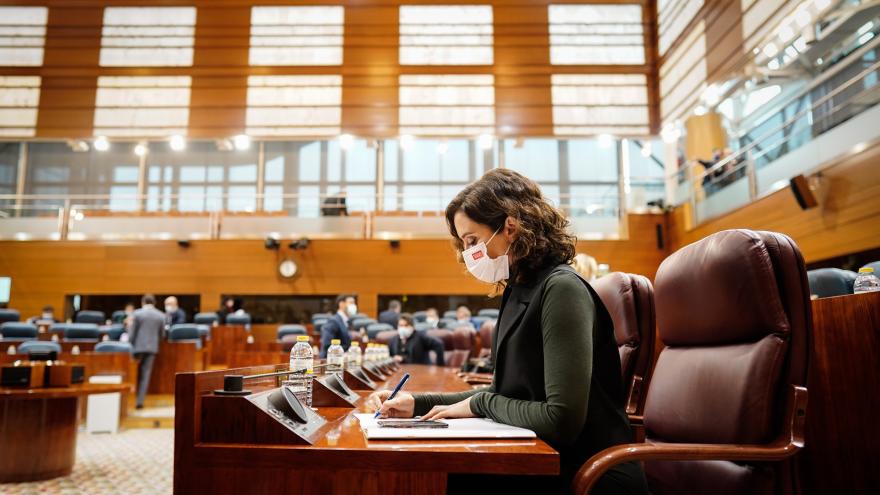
(458, 428)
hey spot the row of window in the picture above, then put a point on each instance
(589, 34)
(422, 175)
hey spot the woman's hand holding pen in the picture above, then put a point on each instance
(401, 406)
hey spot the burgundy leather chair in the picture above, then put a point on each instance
(385, 336)
(445, 336)
(629, 299)
(463, 341)
(487, 331)
(727, 400)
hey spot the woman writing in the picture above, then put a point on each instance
(557, 368)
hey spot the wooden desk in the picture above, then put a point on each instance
(842, 439)
(342, 460)
(224, 340)
(38, 430)
(173, 358)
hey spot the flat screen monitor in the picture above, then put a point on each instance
(5, 287)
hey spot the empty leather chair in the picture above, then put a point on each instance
(113, 331)
(93, 317)
(490, 312)
(373, 329)
(208, 318)
(39, 346)
(204, 331)
(420, 316)
(243, 319)
(629, 299)
(358, 323)
(449, 314)
(726, 405)
(385, 336)
(118, 316)
(830, 282)
(81, 332)
(463, 341)
(487, 338)
(16, 330)
(7, 314)
(185, 333)
(290, 330)
(321, 316)
(110, 346)
(58, 327)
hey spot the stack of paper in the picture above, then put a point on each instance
(458, 428)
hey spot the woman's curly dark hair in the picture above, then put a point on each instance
(542, 239)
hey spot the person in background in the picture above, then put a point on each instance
(339, 325)
(412, 347)
(173, 314)
(463, 317)
(46, 315)
(129, 312)
(146, 330)
(226, 309)
(586, 266)
(432, 317)
(392, 314)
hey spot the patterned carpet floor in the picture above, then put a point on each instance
(135, 461)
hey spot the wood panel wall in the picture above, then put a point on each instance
(845, 222)
(44, 272)
(370, 66)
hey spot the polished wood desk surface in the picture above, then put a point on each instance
(62, 392)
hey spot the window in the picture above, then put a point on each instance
(142, 106)
(205, 178)
(22, 35)
(294, 105)
(597, 104)
(147, 36)
(296, 35)
(9, 154)
(447, 104)
(596, 34)
(446, 35)
(19, 98)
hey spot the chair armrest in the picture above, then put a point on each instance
(789, 443)
(635, 394)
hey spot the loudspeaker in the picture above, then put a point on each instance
(803, 194)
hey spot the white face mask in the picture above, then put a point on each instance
(484, 268)
(405, 332)
(351, 309)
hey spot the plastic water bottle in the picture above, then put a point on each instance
(353, 357)
(866, 281)
(75, 350)
(335, 357)
(371, 353)
(10, 350)
(301, 358)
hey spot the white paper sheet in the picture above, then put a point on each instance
(458, 428)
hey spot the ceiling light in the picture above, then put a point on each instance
(822, 4)
(177, 142)
(486, 141)
(770, 50)
(442, 147)
(865, 38)
(101, 143)
(670, 134)
(241, 142)
(711, 96)
(345, 141)
(140, 149)
(865, 28)
(700, 110)
(803, 17)
(406, 141)
(773, 64)
(605, 140)
(786, 33)
(78, 145)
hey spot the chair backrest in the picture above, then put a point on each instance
(830, 282)
(202, 330)
(288, 338)
(445, 336)
(110, 346)
(450, 314)
(360, 315)
(479, 320)
(875, 265)
(290, 330)
(185, 333)
(39, 346)
(358, 323)
(81, 332)
(420, 316)
(385, 336)
(449, 323)
(629, 299)
(373, 329)
(320, 316)
(734, 312)
(420, 326)
(7, 314)
(490, 312)
(88, 316)
(16, 330)
(205, 318)
(238, 319)
(487, 333)
(118, 316)
(114, 331)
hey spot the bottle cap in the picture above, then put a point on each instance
(302, 338)
(335, 342)
(866, 269)
(355, 344)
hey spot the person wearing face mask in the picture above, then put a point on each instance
(557, 367)
(339, 325)
(173, 314)
(432, 317)
(463, 317)
(412, 347)
(46, 316)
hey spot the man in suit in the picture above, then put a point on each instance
(173, 314)
(146, 330)
(413, 347)
(392, 315)
(338, 326)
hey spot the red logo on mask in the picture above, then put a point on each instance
(477, 255)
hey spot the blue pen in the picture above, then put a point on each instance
(396, 389)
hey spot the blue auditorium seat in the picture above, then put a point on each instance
(202, 330)
(830, 282)
(876, 266)
(81, 332)
(86, 316)
(114, 331)
(118, 316)
(373, 329)
(16, 330)
(450, 314)
(357, 324)
(7, 314)
(205, 318)
(321, 316)
(185, 333)
(110, 346)
(39, 346)
(479, 320)
(239, 319)
(490, 312)
(420, 316)
(290, 330)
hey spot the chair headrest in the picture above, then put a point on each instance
(709, 310)
(618, 292)
(111, 346)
